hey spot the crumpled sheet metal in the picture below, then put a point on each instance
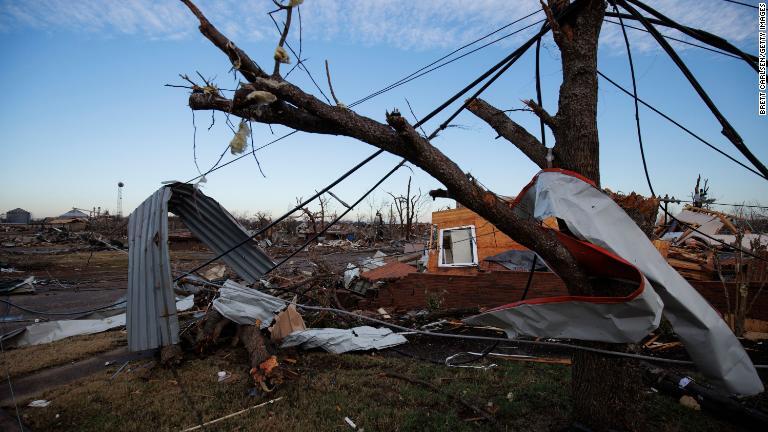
(593, 217)
(245, 305)
(46, 332)
(152, 320)
(339, 341)
(214, 226)
(151, 309)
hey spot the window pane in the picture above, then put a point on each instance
(461, 245)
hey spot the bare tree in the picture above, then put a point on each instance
(606, 390)
(408, 207)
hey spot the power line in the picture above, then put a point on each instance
(683, 41)
(61, 313)
(740, 3)
(645, 165)
(287, 214)
(728, 129)
(493, 339)
(674, 200)
(698, 34)
(338, 218)
(417, 74)
(634, 98)
(685, 129)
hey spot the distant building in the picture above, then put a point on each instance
(69, 224)
(18, 216)
(74, 214)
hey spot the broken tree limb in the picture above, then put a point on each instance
(399, 137)
(461, 401)
(542, 113)
(511, 131)
(239, 59)
(255, 344)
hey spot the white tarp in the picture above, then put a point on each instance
(594, 217)
(245, 305)
(45, 332)
(339, 341)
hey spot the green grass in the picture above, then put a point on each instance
(524, 396)
(26, 360)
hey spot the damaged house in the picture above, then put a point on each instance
(471, 264)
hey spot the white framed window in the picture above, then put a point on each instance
(458, 247)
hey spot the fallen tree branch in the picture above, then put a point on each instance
(305, 112)
(511, 131)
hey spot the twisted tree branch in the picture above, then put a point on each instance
(511, 131)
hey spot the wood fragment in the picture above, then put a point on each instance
(200, 426)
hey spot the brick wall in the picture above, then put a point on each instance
(454, 291)
(715, 295)
(492, 289)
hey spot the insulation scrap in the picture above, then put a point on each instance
(281, 55)
(260, 97)
(240, 140)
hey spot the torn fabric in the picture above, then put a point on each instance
(339, 341)
(606, 240)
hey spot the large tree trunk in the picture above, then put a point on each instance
(606, 391)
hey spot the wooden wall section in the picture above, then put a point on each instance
(490, 241)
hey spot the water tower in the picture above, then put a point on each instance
(120, 199)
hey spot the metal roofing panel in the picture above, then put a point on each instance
(151, 309)
(213, 225)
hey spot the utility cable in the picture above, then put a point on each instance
(762, 207)
(741, 3)
(728, 130)
(498, 339)
(61, 313)
(424, 70)
(499, 69)
(682, 41)
(287, 214)
(338, 218)
(645, 165)
(634, 98)
(697, 34)
(685, 129)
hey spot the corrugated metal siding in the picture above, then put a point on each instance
(213, 225)
(151, 312)
(152, 319)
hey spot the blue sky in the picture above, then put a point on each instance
(84, 104)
